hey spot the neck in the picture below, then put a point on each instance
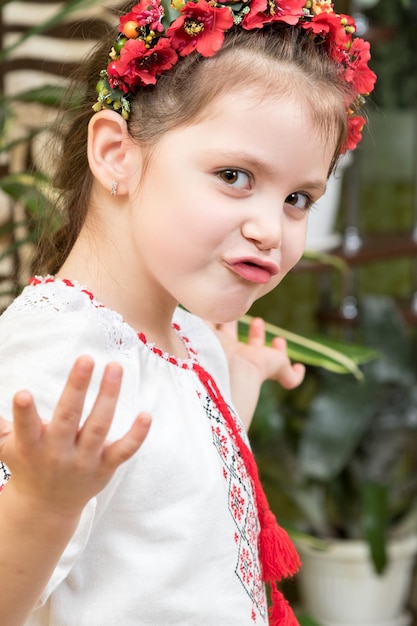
(115, 282)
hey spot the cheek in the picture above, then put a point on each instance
(293, 247)
(291, 252)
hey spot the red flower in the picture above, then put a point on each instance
(330, 25)
(265, 11)
(355, 126)
(146, 13)
(357, 72)
(139, 65)
(201, 27)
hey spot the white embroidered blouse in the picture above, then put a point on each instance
(172, 539)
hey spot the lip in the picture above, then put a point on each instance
(254, 269)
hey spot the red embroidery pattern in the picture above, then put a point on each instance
(241, 498)
(241, 504)
(37, 280)
(184, 364)
(221, 443)
(245, 566)
(237, 503)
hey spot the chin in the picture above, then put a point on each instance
(220, 306)
(221, 315)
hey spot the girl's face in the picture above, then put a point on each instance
(220, 214)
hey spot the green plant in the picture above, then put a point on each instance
(29, 193)
(338, 457)
(393, 31)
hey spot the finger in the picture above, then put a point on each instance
(26, 421)
(67, 415)
(279, 343)
(121, 450)
(256, 336)
(97, 426)
(292, 376)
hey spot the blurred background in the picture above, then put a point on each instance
(338, 456)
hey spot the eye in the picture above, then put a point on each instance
(235, 178)
(299, 200)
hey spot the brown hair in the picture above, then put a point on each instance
(274, 60)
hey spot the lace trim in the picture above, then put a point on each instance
(120, 336)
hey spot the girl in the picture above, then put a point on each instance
(215, 129)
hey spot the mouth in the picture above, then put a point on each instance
(254, 270)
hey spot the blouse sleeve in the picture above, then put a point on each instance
(37, 351)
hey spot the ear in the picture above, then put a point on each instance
(110, 151)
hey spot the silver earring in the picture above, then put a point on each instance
(114, 187)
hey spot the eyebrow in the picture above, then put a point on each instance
(252, 162)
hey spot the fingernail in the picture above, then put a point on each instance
(145, 420)
(114, 371)
(23, 399)
(85, 364)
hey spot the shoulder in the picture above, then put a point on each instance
(59, 311)
(42, 333)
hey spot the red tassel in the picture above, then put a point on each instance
(280, 613)
(278, 555)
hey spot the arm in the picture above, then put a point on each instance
(56, 469)
(253, 363)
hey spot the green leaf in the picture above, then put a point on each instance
(384, 328)
(338, 417)
(170, 13)
(48, 95)
(7, 147)
(29, 190)
(375, 522)
(66, 9)
(8, 227)
(324, 258)
(14, 247)
(3, 116)
(336, 357)
(304, 620)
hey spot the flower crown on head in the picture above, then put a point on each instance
(155, 34)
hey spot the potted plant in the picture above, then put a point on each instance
(338, 459)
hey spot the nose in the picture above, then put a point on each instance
(264, 227)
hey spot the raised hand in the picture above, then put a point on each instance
(56, 468)
(253, 362)
(61, 464)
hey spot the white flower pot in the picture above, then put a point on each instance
(321, 235)
(339, 587)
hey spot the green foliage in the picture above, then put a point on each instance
(338, 456)
(29, 190)
(304, 620)
(394, 53)
(65, 10)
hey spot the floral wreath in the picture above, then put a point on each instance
(155, 34)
